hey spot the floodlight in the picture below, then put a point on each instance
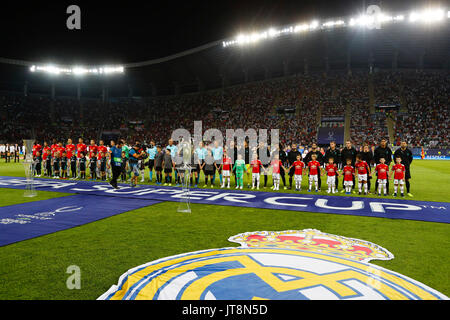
(52, 69)
(301, 27)
(314, 25)
(427, 16)
(365, 20)
(76, 70)
(272, 32)
(384, 18)
(79, 71)
(433, 15)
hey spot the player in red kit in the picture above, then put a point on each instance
(226, 169)
(46, 147)
(70, 148)
(36, 148)
(363, 170)
(314, 172)
(382, 170)
(60, 150)
(399, 175)
(102, 149)
(54, 147)
(349, 173)
(332, 171)
(70, 151)
(256, 165)
(298, 166)
(93, 150)
(81, 149)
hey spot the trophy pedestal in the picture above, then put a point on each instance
(185, 202)
(28, 164)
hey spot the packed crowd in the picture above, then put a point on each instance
(387, 87)
(424, 122)
(364, 126)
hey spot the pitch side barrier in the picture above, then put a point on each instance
(430, 154)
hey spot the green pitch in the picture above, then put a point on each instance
(105, 249)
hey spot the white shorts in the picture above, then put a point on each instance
(382, 181)
(331, 180)
(298, 177)
(226, 173)
(314, 178)
(399, 181)
(362, 177)
(255, 175)
(275, 176)
(348, 183)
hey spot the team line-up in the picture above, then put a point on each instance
(119, 160)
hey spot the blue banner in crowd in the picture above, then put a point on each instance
(326, 135)
(310, 202)
(33, 219)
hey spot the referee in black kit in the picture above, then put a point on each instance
(284, 160)
(367, 156)
(292, 157)
(314, 150)
(335, 153)
(349, 152)
(407, 157)
(382, 151)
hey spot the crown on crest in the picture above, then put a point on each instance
(315, 241)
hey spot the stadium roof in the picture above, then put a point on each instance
(404, 45)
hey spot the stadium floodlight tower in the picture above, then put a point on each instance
(28, 164)
(185, 172)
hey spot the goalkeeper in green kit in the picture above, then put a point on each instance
(126, 149)
(239, 166)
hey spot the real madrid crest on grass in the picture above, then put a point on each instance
(294, 264)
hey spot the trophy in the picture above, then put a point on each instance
(185, 172)
(28, 164)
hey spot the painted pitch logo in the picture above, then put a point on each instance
(293, 264)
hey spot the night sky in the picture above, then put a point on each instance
(130, 31)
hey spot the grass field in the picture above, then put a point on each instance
(105, 249)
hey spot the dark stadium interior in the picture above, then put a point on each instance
(307, 72)
(239, 150)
